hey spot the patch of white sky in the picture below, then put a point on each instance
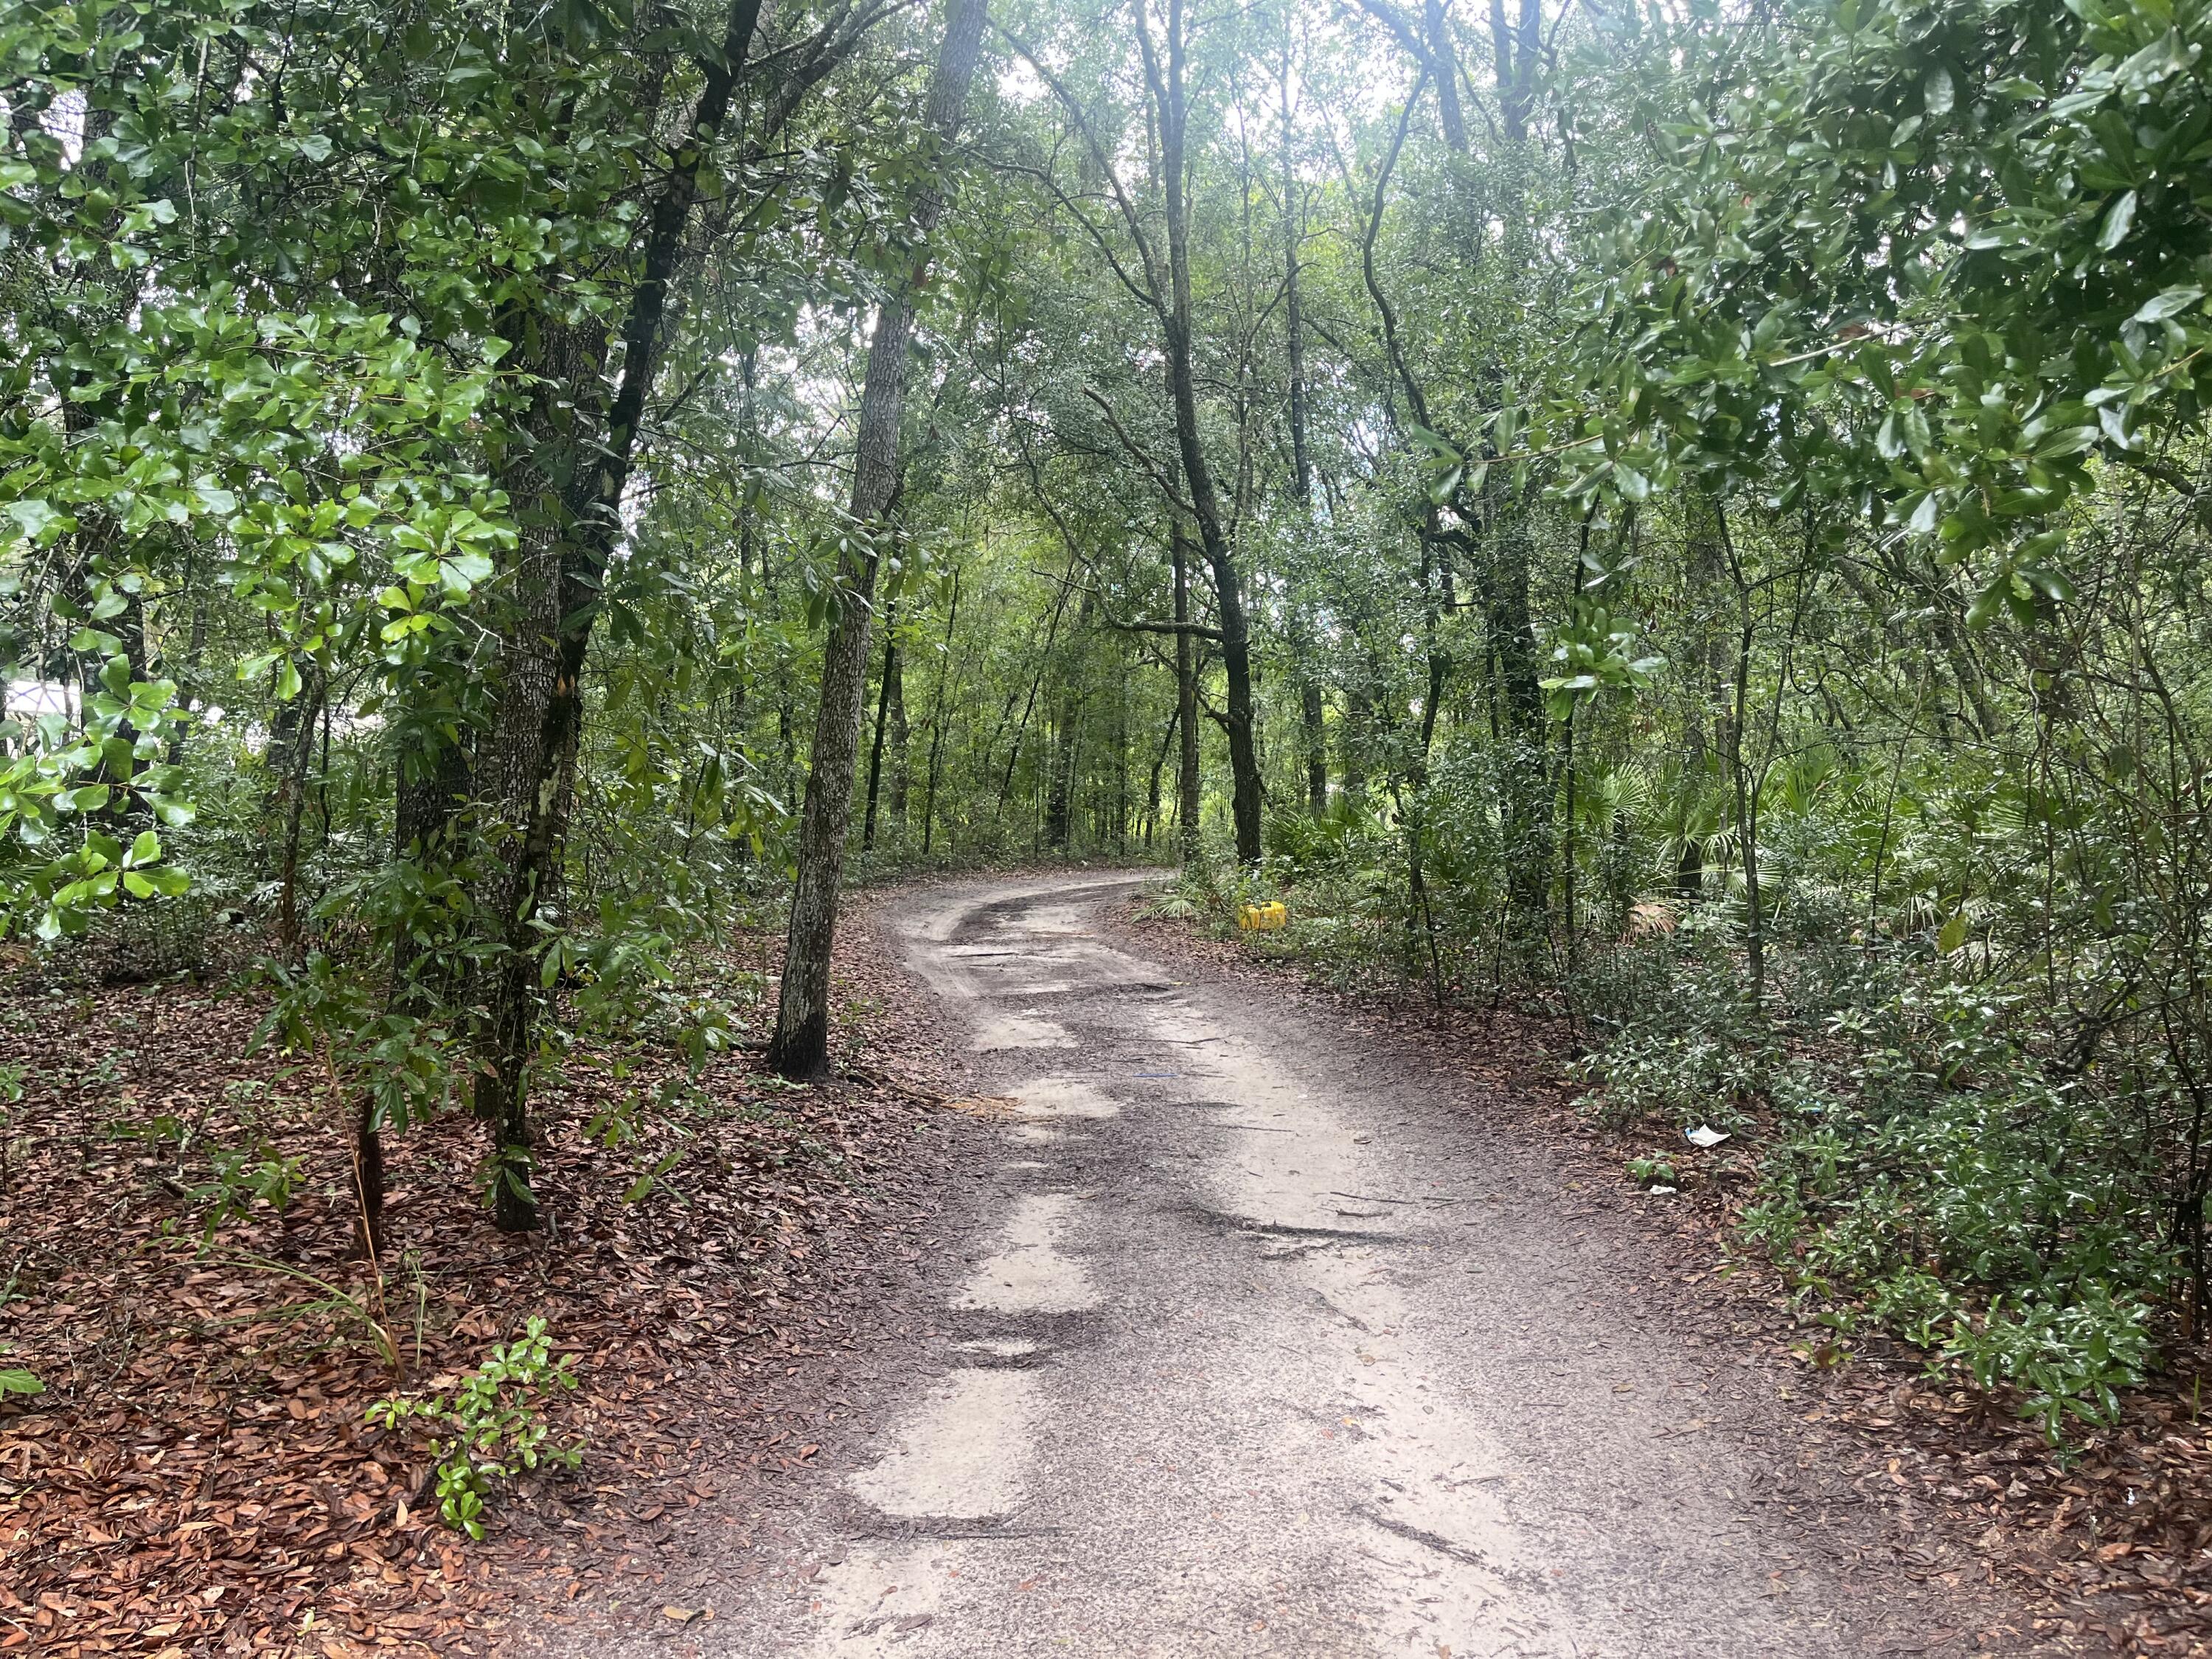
(63, 120)
(1342, 77)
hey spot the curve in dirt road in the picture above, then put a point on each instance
(1260, 1347)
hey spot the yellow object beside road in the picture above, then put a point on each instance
(1262, 917)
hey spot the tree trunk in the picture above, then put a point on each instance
(883, 719)
(1310, 709)
(937, 718)
(368, 1178)
(902, 738)
(569, 488)
(1526, 771)
(801, 1046)
(298, 740)
(430, 782)
(1166, 82)
(1740, 773)
(1186, 702)
(1060, 798)
(1351, 737)
(1152, 789)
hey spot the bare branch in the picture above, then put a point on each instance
(1414, 400)
(1098, 159)
(1144, 296)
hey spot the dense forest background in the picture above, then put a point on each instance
(1689, 516)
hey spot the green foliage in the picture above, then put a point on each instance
(241, 1176)
(1734, 549)
(1946, 1188)
(1678, 1038)
(18, 1380)
(492, 1428)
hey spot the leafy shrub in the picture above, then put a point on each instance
(494, 1428)
(1944, 1188)
(1680, 1038)
(17, 1379)
(241, 1175)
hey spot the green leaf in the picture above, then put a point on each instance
(462, 571)
(2118, 222)
(38, 521)
(1951, 934)
(2170, 303)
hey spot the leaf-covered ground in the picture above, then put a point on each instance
(198, 1476)
(2108, 1543)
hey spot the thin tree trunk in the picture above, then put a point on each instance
(902, 738)
(1059, 800)
(292, 802)
(1152, 790)
(1747, 793)
(937, 718)
(801, 1046)
(1311, 711)
(1166, 83)
(1351, 761)
(1186, 701)
(883, 717)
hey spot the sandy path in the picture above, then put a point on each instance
(1260, 1348)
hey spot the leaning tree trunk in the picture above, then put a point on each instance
(801, 1046)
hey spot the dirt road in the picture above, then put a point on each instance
(1262, 1347)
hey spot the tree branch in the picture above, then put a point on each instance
(1157, 473)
